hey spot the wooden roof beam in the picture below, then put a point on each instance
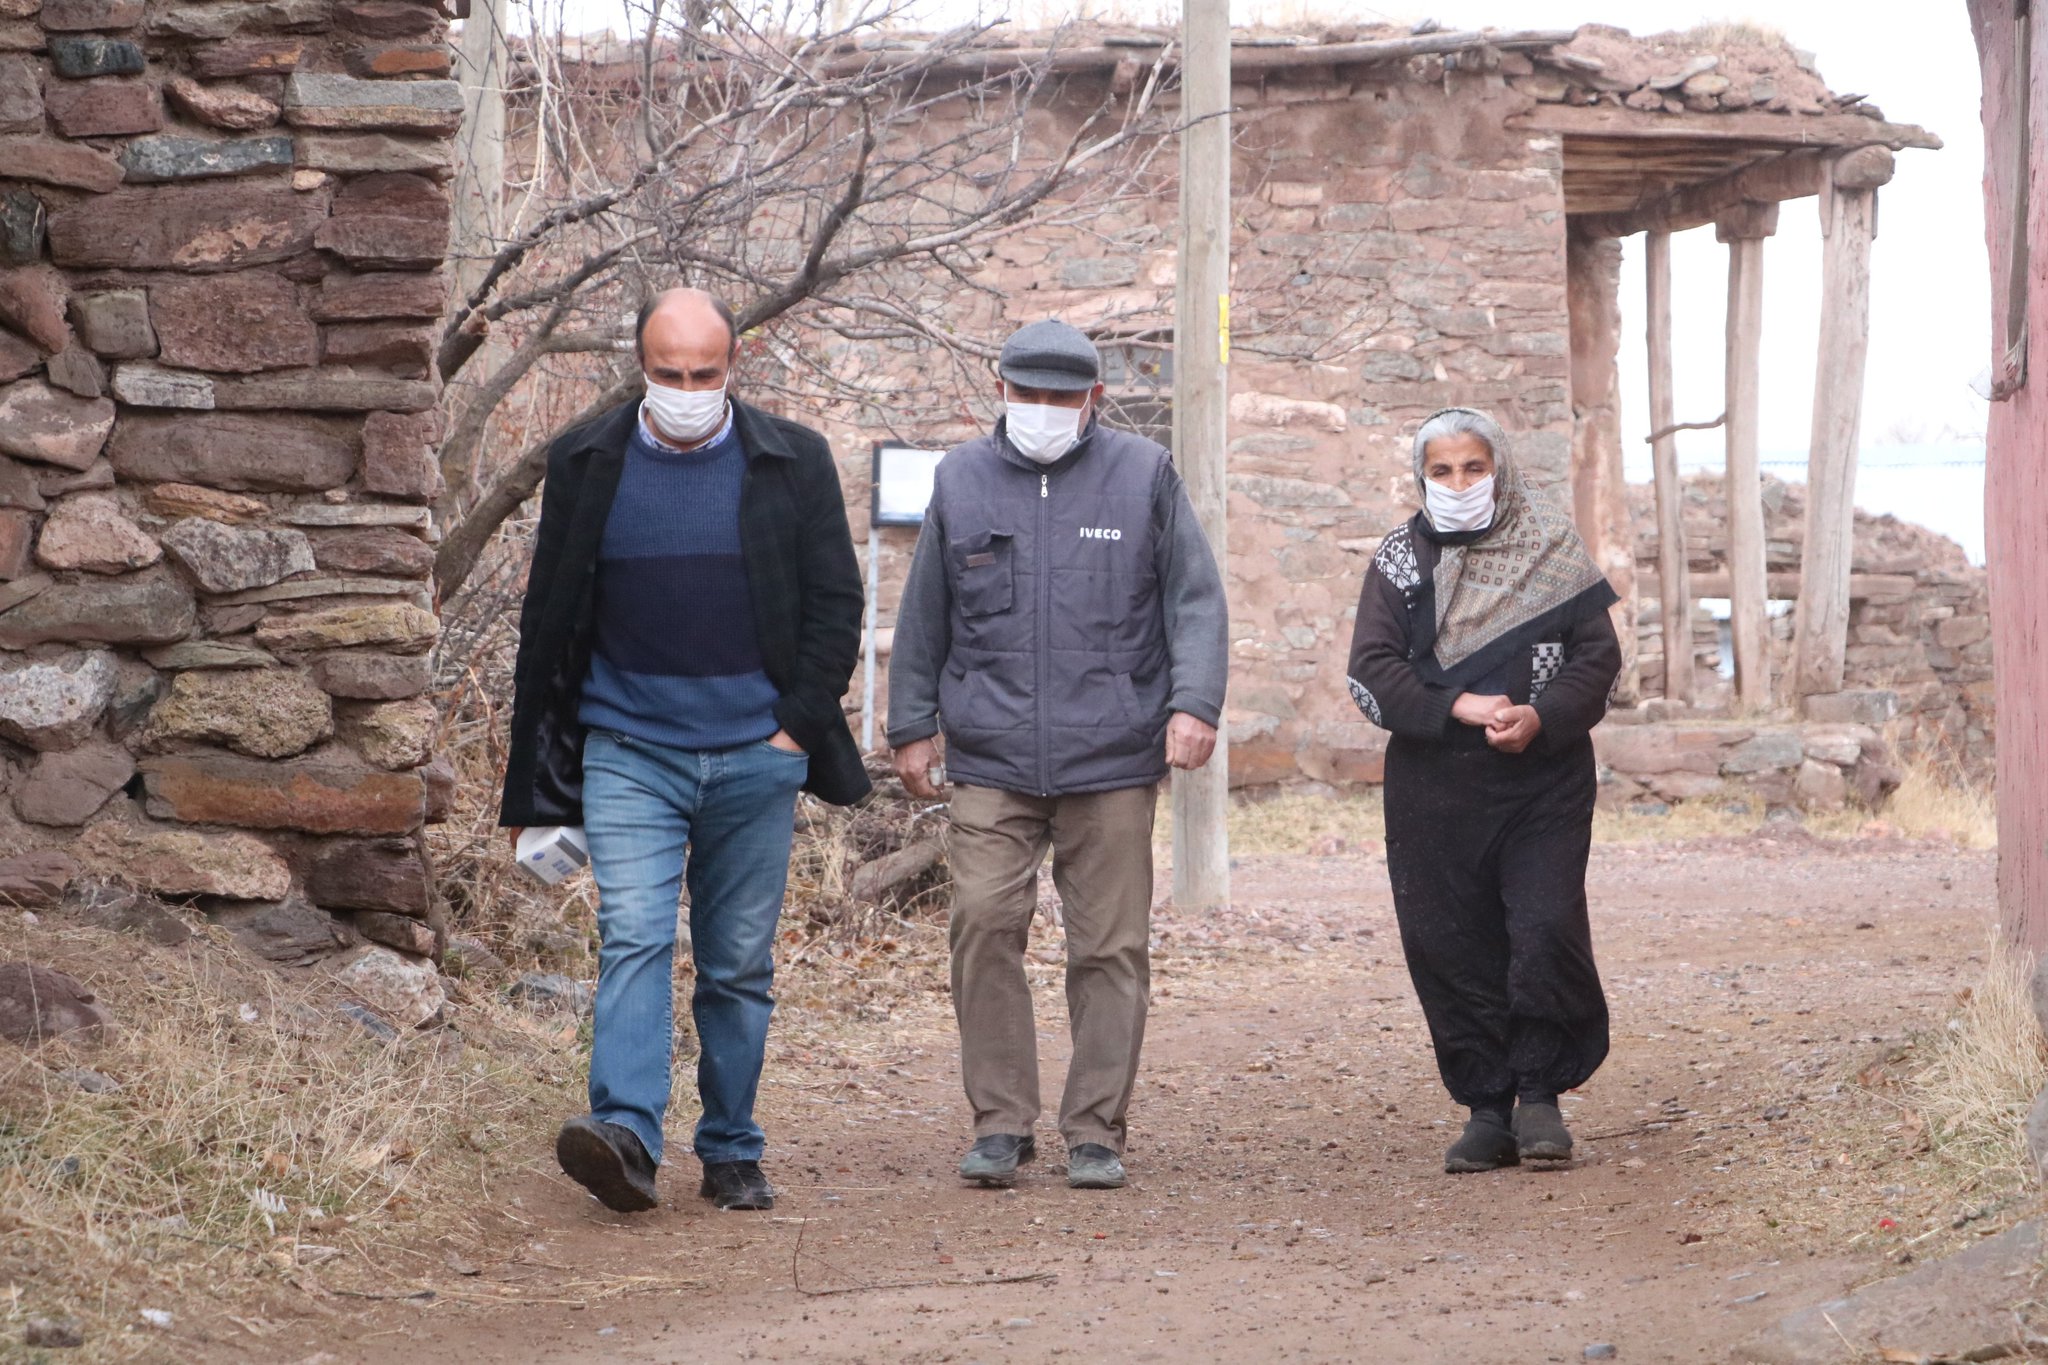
(1765, 130)
(1793, 175)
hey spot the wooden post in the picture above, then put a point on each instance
(1744, 232)
(481, 62)
(1201, 402)
(1821, 630)
(1599, 488)
(1674, 575)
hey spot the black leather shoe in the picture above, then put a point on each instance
(1485, 1145)
(608, 1160)
(993, 1160)
(737, 1185)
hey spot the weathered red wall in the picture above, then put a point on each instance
(2016, 489)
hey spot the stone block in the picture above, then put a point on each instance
(148, 608)
(347, 297)
(1766, 751)
(191, 500)
(226, 558)
(393, 347)
(372, 676)
(54, 703)
(346, 103)
(401, 59)
(357, 514)
(224, 106)
(1276, 410)
(373, 550)
(21, 96)
(114, 323)
(398, 455)
(389, 625)
(248, 57)
(208, 654)
(1841, 745)
(1637, 750)
(385, 243)
(1867, 707)
(203, 228)
(326, 390)
(263, 452)
(18, 357)
(240, 323)
(24, 588)
(358, 153)
(291, 931)
(1820, 787)
(86, 16)
(301, 588)
(173, 156)
(77, 371)
(1272, 491)
(37, 879)
(17, 544)
(106, 108)
(1959, 632)
(91, 533)
(319, 795)
(76, 58)
(215, 21)
(19, 485)
(272, 713)
(370, 874)
(32, 300)
(43, 423)
(396, 735)
(402, 932)
(388, 19)
(69, 786)
(405, 990)
(37, 1003)
(143, 385)
(24, 226)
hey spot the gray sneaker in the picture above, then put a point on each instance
(993, 1160)
(1092, 1166)
(1540, 1134)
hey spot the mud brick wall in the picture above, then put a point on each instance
(1397, 249)
(1919, 621)
(220, 232)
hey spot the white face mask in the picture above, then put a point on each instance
(1450, 510)
(685, 415)
(1042, 432)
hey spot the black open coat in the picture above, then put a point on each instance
(801, 572)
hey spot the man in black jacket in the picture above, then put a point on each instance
(692, 617)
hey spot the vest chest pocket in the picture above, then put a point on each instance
(984, 572)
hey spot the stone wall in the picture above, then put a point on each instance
(1919, 623)
(220, 232)
(1397, 249)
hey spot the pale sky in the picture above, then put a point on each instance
(1930, 309)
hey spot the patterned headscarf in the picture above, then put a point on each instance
(1529, 564)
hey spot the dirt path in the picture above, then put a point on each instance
(1287, 1200)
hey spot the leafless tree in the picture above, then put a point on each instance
(837, 184)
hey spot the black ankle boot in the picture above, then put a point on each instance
(1485, 1145)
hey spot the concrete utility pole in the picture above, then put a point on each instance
(481, 61)
(1201, 402)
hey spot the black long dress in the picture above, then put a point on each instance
(1487, 850)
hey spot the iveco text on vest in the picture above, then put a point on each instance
(1101, 533)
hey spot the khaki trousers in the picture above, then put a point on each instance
(1102, 866)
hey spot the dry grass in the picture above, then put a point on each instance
(1981, 1073)
(254, 1135)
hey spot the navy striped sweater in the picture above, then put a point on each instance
(675, 659)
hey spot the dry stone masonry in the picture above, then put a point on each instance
(221, 228)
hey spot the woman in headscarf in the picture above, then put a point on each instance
(1483, 644)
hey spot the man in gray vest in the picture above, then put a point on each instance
(1064, 626)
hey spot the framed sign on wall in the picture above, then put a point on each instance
(902, 483)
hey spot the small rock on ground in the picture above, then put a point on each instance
(88, 1080)
(52, 1333)
(551, 992)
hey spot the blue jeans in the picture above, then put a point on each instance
(734, 811)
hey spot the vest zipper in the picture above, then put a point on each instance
(1043, 634)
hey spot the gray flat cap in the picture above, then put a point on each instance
(1050, 355)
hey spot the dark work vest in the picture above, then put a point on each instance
(1057, 678)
